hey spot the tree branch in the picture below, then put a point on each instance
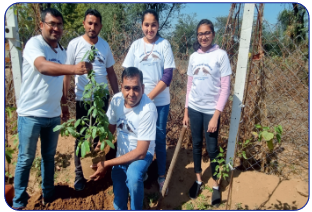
(173, 5)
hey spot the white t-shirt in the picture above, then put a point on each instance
(40, 94)
(133, 124)
(153, 67)
(207, 70)
(76, 50)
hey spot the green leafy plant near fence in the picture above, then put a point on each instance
(90, 130)
(222, 169)
(265, 139)
(10, 150)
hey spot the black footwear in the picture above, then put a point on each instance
(79, 184)
(45, 201)
(194, 191)
(216, 197)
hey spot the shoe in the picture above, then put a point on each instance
(79, 184)
(145, 177)
(161, 182)
(45, 201)
(216, 197)
(194, 190)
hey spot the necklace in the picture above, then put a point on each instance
(146, 55)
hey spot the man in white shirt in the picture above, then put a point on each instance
(134, 115)
(39, 106)
(102, 66)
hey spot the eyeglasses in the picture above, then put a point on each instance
(53, 25)
(205, 34)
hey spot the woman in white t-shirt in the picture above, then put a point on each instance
(208, 89)
(153, 55)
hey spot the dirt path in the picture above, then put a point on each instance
(251, 190)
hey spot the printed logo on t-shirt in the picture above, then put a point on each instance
(205, 70)
(155, 56)
(125, 126)
(99, 57)
(55, 60)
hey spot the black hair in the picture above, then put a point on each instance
(196, 44)
(53, 12)
(154, 13)
(131, 72)
(93, 12)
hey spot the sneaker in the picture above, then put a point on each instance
(145, 177)
(80, 184)
(161, 182)
(216, 197)
(45, 201)
(194, 190)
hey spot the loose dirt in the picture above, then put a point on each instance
(251, 190)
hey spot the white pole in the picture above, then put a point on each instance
(240, 78)
(11, 33)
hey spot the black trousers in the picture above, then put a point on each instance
(80, 112)
(199, 123)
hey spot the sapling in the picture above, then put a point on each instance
(93, 96)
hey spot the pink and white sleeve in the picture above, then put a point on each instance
(189, 85)
(225, 92)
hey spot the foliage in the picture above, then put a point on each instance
(184, 34)
(222, 169)
(89, 130)
(8, 149)
(293, 22)
(264, 134)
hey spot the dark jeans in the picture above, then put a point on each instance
(199, 123)
(80, 112)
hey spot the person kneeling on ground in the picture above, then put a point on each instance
(134, 115)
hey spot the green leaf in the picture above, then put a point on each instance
(94, 112)
(88, 86)
(225, 175)
(77, 151)
(270, 144)
(244, 155)
(86, 54)
(258, 126)
(8, 154)
(72, 131)
(278, 129)
(110, 136)
(94, 132)
(247, 141)
(77, 123)
(265, 128)
(221, 160)
(221, 150)
(82, 130)
(267, 136)
(102, 145)
(84, 149)
(57, 128)
(110, 144)
(279, 138)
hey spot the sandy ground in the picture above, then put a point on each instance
(250, 190)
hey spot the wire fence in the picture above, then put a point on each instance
(276, 93)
